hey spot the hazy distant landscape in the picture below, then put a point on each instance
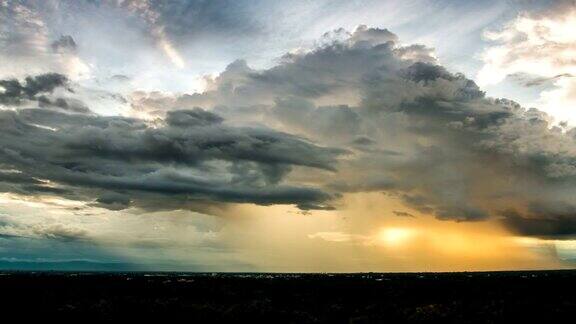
(481, 297)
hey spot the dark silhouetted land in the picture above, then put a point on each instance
(487, 297)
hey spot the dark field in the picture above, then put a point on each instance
(495, 297)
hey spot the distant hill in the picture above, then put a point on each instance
(77, 265)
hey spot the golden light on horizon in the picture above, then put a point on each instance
(366, 236)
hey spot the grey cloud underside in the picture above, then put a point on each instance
(416, 131)
(554, 219)
(14, 92)
(37, 90)
(118, 162)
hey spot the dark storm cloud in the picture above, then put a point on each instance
(17, 177)
(191, 118)
(14, 92)
(545, 225)
(113, 201)
(194, 156)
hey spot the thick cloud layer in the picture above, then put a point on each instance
(416, 131)
(358, 114)
(116, 160)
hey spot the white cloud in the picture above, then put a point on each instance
(539, 49)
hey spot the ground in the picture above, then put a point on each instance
(481, 297)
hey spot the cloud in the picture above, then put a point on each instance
(191, 118)
(530, 81)
(14, 229)
(537, 49)
(361, 113)
(148, 10)
(340, 237)
(330, 74)
(60, 232)
(12, 92)
(173, 24)
(64, 44)
(49, 91)
(553, 221)
(193, 156)
(31, 45)
(113, 201)
(416, 130)
(402, 213)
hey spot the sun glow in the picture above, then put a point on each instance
(396, 236)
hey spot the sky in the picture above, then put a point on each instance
(301, 136)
